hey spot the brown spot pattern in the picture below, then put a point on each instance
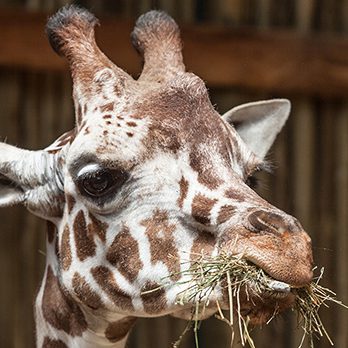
(118, 90)
(124, 254)
(85, 293)
(52, 343)
(153, 301)
(59, 310)
(65, 251)
(97, 227)
(183, 191)
(105, 117)
(130, 134)
(85, 245)
(107, 107)
(70, 200)
(233, 194)
(131, 124)
(201, 207)
(118, 330)
(203, 245)
(206, 175)
(225, 213)
(162, 243)
(106, 280)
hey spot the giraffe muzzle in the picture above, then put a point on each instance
(276, 243)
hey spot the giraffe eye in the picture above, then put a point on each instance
(99, 182)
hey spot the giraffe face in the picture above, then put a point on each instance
(151, 178)
(157, 180)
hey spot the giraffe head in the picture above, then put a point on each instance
(150, 177)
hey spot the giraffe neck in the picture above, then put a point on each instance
(63, 322)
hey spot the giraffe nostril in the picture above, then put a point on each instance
(262, 221)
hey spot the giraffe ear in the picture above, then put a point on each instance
(258, 123)
(30, 178)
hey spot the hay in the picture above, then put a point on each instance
(236, 275)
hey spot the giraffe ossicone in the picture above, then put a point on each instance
(150, 176)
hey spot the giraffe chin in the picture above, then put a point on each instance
(259, 309)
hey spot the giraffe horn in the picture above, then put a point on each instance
(71, 34)
(156, 37)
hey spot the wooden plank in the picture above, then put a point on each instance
(276, 61)
(341, 229)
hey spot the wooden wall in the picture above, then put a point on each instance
(311, 158)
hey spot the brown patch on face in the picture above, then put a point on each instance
(85, 245)
(130, 134)
(87, 131)
(105, 132)
(51, 231)
(162, 243)
(105, 278)
(108, 123)
(120, 117)
(154, 301)
(206, 175)
(201, 207)
(236, 196)
(131, 124)
(105, 117)
(107, 107)
(52, 343)
(124, 254)
(119, 329)
(204, 244)
(161, 135)
(70, 200)
(225, 213)
(183, 191)
(85, 293)
(118, 90)
(59, 310)
(136, 116)
(97, 227)
(65, 251)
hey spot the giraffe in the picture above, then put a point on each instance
(150, 177)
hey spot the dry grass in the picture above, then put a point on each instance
(236, 275)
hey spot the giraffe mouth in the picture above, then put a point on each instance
(262, 308)
(232, 281)
(259, 303)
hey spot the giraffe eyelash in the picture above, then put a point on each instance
(252, 180)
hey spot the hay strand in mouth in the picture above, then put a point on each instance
(206, 275)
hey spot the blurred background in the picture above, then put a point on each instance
(245, 50)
